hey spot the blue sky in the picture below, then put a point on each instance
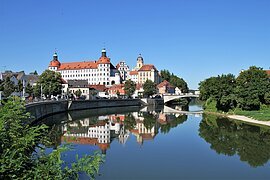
(194, 39)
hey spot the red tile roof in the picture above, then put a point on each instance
(54, 63)
(133, 73)
(78, 65)
(139, 86)
(98, 87)
(104, 60)
(164, 83)
(147, 67)
(117, 87)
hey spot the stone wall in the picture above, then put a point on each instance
(42, 109)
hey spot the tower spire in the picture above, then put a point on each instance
(103, 53)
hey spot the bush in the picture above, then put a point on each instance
(22, 153)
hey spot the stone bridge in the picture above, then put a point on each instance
(168, 97)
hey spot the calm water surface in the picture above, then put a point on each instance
(152, 143)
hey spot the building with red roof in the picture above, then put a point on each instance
(100, 72)
(165, 87)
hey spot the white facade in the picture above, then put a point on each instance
(95, 72)
(123, 68)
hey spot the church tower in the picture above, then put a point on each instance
(54, 64)
(139, 62)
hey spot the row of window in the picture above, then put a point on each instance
(85, 75)
(83, 71)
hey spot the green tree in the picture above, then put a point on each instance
(8, 87)
(219, 89)
(50, 83)
(19, 87)
(37, 90)
(149, 88)
(78, 93)
(129, 87)
(29, 89)
(252, 85)
(22, 155)
(165, 75)
(174, 80)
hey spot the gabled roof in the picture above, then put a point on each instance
(147, 67)
(133, 73)
(164, 83)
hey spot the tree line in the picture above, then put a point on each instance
(248, 91)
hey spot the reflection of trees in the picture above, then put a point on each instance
(54, 136)
(129, 121)
(251, 143)
(149, 120)
(165, 128)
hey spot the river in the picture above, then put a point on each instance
(149, 143)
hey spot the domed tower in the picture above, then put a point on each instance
(139, 62)
(54, 64)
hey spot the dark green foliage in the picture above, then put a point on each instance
(221, 89)
(8, 87)
(50, 83)
(149, 120)
(29, 89)
(22, 155)
(37, 90)
(129, 122)
(267, 98)
(252, 85)
(149, 88)
(250, 143)
(174, 80)
(248, 91)
(129, 87)
(19, 87)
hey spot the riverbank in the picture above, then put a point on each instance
(240, 118)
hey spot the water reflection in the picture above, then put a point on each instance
(250, 143)
(94, 128)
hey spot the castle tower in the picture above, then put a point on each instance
(54, 64)
(139, 62)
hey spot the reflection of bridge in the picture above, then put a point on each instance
(171, 110)
(168, 97)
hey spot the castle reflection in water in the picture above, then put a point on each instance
(102, 130)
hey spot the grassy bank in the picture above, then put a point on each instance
(262, 115)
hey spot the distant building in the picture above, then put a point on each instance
(95, 72)
(123, 69)
(115, 90)
(76, 85)
(143, 72)
(133, 76)
(165, 87)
